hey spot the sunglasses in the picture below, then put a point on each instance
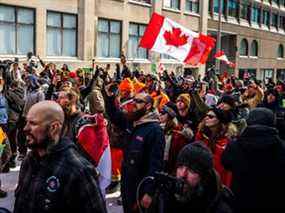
(210, 116)
(139, 101)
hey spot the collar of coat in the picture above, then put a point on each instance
(152, 116)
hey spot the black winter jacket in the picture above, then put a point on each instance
(257, 162)
(62, 181)
(143, 148)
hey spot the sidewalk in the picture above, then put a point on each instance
(9, 184)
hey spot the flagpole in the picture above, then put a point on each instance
(218, 44)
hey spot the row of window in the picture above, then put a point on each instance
(254, 13)
(243, 50)
(190, 5)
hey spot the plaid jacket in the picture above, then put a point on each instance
(62, 181)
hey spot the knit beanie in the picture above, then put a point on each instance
(261, 116)
(185, 98)
(170, 109)
(197, 157)
(228, 99)
(223, 116)
(126, 85)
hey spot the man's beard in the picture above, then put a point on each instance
(136, 115)
(190, 192)
(46, 142)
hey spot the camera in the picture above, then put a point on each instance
(168, 184)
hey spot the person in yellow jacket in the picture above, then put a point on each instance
(5, 154)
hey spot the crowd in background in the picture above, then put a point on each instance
(151, 118)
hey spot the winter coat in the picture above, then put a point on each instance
(62, 181)
(143, 153)
(220, 145)
(16, 101)
(257, 162)
(3, 109)
(32, 97)
(174, 142)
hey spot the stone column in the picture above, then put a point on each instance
(86, 29)
(204, 5)
(40, 36)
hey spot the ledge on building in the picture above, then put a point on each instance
(138, 61)
(61, 59)
(170, 61)
(107, 60)
(243, 56)
(171, 10)
(12, 57)
(140, 3)
(188, 13)
(280, 59)
(253, 57)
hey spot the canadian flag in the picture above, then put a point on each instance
(165, 36)
(220, 55)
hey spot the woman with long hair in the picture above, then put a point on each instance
(216, 131)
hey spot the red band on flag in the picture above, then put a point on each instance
(152, 31)
(200, 49)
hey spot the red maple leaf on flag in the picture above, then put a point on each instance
(175, 38)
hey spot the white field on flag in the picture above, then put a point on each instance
(180, 53)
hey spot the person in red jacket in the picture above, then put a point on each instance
(216, 131)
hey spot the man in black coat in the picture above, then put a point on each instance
(257, 162)
(54, 178)
(143, 148)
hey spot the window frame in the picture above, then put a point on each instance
(138, 37)
(62, 28)
(17, 24)
(241, 42)
(191, 3)
(236, 9)
(280, 47)
(171, 5)
(109, 36)
(254, 42)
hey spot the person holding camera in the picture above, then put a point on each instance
(202, 190)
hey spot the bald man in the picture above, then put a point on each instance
(54, 178)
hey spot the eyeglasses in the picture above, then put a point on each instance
(210, 116)
(139, 101)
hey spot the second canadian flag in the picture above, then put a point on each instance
(165, 36)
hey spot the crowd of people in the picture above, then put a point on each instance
(167, 142)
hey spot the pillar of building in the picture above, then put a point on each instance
(204, 5)
(86, 29)
(40, 36)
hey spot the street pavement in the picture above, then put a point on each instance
(9, 184)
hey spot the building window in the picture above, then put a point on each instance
(254, 48)
(244, 9)
(192, 6)
(266, 18)
(243, 51)
(216, 6)
(282, 22)
(16, 30)
(109, 38)
(280, 52)
(136, 31)
(255, 15)
(173, 4)
(275, 1)
(274, 22)
(61, 34)
(233, 8)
